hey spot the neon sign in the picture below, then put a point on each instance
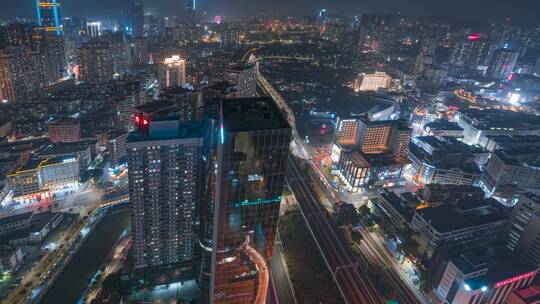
(514, 279)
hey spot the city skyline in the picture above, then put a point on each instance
(319, 152)
(476, 9)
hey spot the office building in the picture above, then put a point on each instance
(64, 130)
(469, 278)
(523, 232)
(253, 145)
(48, 16)
(95, 62)
(22, 75)
(372, 82)
(163, 157)
(502, 63)
(93, 29)
(172, 72)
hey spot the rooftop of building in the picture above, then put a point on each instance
(164, 128)
(514, 141)
(64, 148)
(363, 160)
(16, 218)
(36, 163)
(469, 263)
(239, 67)
(400, 205)
(64, 121)
(447, 218)
(529, 295)
(496, 118)
(443, 124)
(440, 159)
(252, 114)
(501, 268)
(520, 156)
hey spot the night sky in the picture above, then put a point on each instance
(522, 11)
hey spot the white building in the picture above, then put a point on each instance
(372, 82)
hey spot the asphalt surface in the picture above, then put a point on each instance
(353, 282)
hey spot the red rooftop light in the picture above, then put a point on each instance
(474, 37)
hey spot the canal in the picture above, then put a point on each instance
(75, 278)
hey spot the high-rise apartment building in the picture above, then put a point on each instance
(163, 156)
(95, 62)
(243, 78)
(128, 94)
(172, 72)
(253, 144)
(22, 74)
(189, 102)
(64, 130)
(48, 16)
(523, 232)
(502, 63)
(93, 29)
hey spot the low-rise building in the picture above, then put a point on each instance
(358, 170)
(38, 175)
(479, 124)
(529, 295)
(464, 224)
(486, 279)
(442, 128)
(446, 161)
(11, 259)
(511, 172)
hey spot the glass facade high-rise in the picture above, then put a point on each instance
(252, 148)
(48, 16)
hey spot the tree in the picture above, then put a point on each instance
(356, 236)
(347, 215)
(364, 210)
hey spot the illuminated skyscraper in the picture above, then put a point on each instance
(191, 5)
(502, 63)
(172, 72)
(93, 28)
(95, 62)
(48, 16)
(22, 74)
(252, 148)
(164, 172)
